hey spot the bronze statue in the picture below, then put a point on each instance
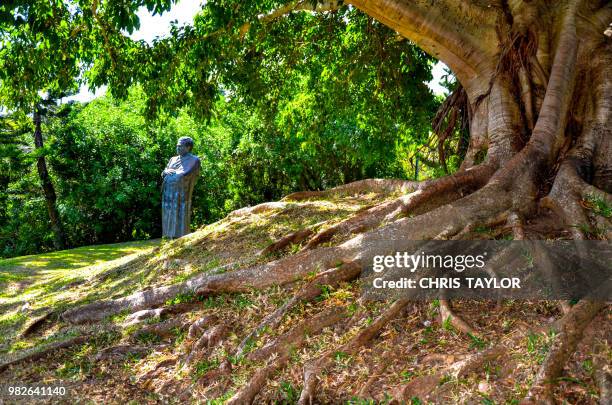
(180, 176)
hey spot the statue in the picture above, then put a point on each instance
(179, 177)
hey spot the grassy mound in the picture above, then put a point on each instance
(151, 360)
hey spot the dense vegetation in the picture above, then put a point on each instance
(279, 117)
(106, 158)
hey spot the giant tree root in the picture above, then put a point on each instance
(313, 369)
(360, 222)
(164, 329)
(281, 348)
(570, 329)
(331, 277)
(448, 315)
(293, 238)
(198, 327)
(209, 339)
(386, 186)
(426, 196)
(258, 209)
(36, 324)
(278, 272)
(37, 353)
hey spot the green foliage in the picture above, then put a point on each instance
(538, 345)
(181, 298)
(302, 102)
(24, 225)
(203, 366)
(290, 394)
(599, 206)
(476, 342)
(242, 301)
(147, 338)
(448, 325)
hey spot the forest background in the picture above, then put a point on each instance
(317, 116)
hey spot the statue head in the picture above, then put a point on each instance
(184, 145)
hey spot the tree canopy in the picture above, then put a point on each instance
(301, 101)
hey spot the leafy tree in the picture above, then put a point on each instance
(537, 96)
(108, 160)
(24, 226)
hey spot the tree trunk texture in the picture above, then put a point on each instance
(47, 185)
(538, 79)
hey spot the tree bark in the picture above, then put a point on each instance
(47, 185)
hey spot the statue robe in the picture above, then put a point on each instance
(177, 189)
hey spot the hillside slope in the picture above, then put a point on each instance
(202, 347)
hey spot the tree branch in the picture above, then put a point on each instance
(299, 5)
(458, 35)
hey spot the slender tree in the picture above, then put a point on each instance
(45, 181)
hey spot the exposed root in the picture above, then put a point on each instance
(147, 378)
(312, 326)
(515, 221)
(447, 315)
(293, 238)
(141, 316)
(36, 324)
(280, 349)
(467, 232)
(214, 377)
(564, 201)
(278, 272)
(368, 186)
(603, 373)
(476, 361)
(360, 222)
(209, 339)
(163, 329)
(198, 327)
(331, 277)
(565, 307)
(427, 196)
(313, 369)
(570, 329)
(37, 353)
(258, 209)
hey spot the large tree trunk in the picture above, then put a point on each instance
(47, 185)
(538, 80)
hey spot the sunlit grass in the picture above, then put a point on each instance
(29, 284)
(32, 286)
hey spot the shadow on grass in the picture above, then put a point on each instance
(65, 279)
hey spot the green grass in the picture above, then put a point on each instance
(54, 282)
(76, 258)
(58, 279)
(599, 206)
